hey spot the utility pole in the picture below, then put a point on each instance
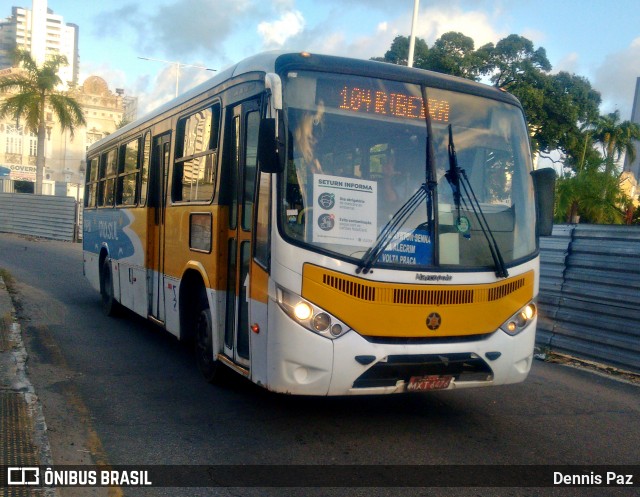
(412, 38)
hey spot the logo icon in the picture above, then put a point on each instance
(326, 222)
(327, 201)
(463, 225)
(23, 475)
(434, 321)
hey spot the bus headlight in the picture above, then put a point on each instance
(520, 320)
(309, 315)
(302, 311)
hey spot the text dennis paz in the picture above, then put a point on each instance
(609, 478)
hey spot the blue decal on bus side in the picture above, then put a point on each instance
(108, 226)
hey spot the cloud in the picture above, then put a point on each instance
(214, 25)
(569, 63)
(433, 22)
(153, 94)
(276, 33)
(616, 78)
(180, 27)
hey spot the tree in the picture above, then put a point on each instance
(454, 53)
(511, 60)
(123, 122)
(591, 195)
(562, 112)
(398, 53)
(616, 138)
(558, 106)
(34, 90)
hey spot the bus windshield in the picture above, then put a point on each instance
(357, 151)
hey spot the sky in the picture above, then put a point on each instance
(597, 39)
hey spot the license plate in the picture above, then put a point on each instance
(431, 382)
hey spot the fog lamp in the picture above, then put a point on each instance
(321, 322)
(336, 330)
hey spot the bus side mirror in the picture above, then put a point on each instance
(268, 156)
(544, 184)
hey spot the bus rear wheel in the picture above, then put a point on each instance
(109, 303)
(208, 366)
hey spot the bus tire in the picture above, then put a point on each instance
(208, 366)
(109, 303)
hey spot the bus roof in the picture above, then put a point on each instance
(280, 62)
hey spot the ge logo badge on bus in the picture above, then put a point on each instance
(434, 321)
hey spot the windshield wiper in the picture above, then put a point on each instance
(390, 229)
(457, 177)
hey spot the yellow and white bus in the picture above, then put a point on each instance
(327, 226)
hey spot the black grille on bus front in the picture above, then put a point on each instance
(406, 295)
(425, 340)
(463, 367)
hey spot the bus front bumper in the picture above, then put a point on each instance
(303, 363)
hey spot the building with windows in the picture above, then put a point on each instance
(42, 33)
(65, 152)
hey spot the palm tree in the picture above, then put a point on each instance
(592, 195)
(616, 138)
(33, 90)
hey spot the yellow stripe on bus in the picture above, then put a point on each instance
(405, 310)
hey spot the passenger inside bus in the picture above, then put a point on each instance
(307, 163)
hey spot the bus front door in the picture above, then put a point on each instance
(159, 175)
(241, 133)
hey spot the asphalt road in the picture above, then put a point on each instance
(120, 391)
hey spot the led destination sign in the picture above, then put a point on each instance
(381, 101)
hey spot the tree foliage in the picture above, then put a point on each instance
(453, 53)
(398, 53)
(562, 112)
(513, 60)
(616, 138)
(593, 195)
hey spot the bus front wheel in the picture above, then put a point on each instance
(208, 366)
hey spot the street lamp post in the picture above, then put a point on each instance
(412, 38)
(177, 64)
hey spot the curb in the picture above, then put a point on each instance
(15, 381)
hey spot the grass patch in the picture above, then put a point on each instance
(8, 280)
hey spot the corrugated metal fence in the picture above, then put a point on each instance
(38, 215)
(590, 294)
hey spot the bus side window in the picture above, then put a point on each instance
(144, 172)
(194, 173)
(263, 228)
(108, 171)
(92, 183)
(252, 122)
(128, 173)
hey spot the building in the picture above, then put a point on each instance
(8, 37)
(65, 154)
(42, 33)
(634, 166)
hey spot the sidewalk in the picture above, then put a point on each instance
(23, 432)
